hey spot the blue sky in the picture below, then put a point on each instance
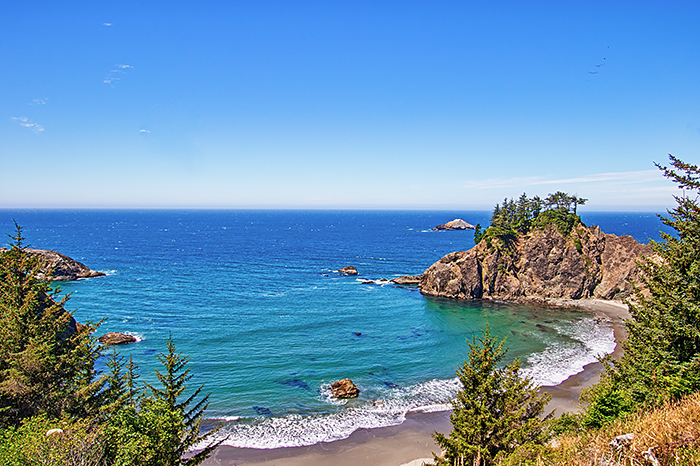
(301, 104)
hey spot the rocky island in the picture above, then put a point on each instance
(456, 224)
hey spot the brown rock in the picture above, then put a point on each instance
(349, 270)
(407, 280)
(541, 265)
(344, 389)
(116, 338)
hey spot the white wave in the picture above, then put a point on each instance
(138, 336)
(295, 430)
(108, 272)
(560, 360)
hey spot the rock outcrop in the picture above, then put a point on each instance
(116, 338)
(456, 224)
(541, 265)
(407, 280)
(59, 267)
(344, 389)
(349, 270)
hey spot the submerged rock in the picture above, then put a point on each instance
(456, 224)
(349, 270)
(116, 338)
(344, 389)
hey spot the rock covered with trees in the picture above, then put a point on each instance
(538, 250)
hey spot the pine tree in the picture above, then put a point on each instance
(496, 411)
(185, 430)
(46, 360)
(661, 357)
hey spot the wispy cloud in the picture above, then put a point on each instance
(114, 75)
(641, 176)
(106, 24)
(38, 101)
(144, 131)
(28, 123)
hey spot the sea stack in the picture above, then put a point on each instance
(456, 224)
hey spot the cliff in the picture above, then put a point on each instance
(543, 264)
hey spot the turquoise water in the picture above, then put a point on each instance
(255, 300)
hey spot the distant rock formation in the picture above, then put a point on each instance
(541, 265)
(456, 224)
(344, 389)
(116, 338)
(59, 267)
(349, 270)
(407, 280)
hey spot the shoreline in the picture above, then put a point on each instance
(411, 442)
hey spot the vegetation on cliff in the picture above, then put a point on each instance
(55, 409)
(519, 217)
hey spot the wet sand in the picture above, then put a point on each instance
(411, 441)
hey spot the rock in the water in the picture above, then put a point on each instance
(541, 265)
(407, 280)
(456, 224)
(116, 338)
(344, 389)
(349, 270)
(59, 267)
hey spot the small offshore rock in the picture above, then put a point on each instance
(116, 338)
(349, 270)
(344, 389)
(456, 224)
(407, 280)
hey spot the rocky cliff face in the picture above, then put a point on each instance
(541, 265)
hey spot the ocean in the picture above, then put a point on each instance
(255, 300)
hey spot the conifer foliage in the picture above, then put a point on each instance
(495, 412)
(46, 361)
(662, 353)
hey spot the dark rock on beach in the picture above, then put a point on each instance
(59, 267)
(116, 338)
(344, 389)
(456, 224)
(349, 270)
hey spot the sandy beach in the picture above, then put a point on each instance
(410, 443)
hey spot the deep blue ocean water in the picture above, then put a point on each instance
(255, 300)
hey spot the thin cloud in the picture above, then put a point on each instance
(144, 131)
(641, 176)
(106, 24)
(113, 75)
(38, 101)
(28, 123)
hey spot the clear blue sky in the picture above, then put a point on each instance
(345, 104)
